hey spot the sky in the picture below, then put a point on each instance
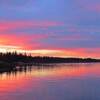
(62, 28)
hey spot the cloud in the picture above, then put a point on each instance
(12, 25)
(93, 7)
(89, 5)
(55, 52)
(10, 33)
(81, 52)
(22, 40)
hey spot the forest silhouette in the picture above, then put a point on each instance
(15, 57)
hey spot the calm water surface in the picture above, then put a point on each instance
(52, 82)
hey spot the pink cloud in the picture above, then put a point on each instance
(82, 52)
(11, 25)
(21, 40)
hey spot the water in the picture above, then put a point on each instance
(52, 82)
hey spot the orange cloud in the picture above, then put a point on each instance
(23, 41)
(31, 43)
(20, 43)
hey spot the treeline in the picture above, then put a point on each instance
(24, 58)
(15, 57)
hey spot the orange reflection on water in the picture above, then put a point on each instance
(22, 80)
(69, 70)
(9, 83)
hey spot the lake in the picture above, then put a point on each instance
(52, 82)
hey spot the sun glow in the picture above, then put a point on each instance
(40, 52)
(8, 48)
(78, 52)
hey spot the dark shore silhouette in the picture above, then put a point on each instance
(9, 61)
(24, 58)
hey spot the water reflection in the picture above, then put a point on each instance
(41, 70)
(51, 82)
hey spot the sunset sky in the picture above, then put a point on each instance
(65, 28)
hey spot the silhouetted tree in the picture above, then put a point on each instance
(15, 57)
